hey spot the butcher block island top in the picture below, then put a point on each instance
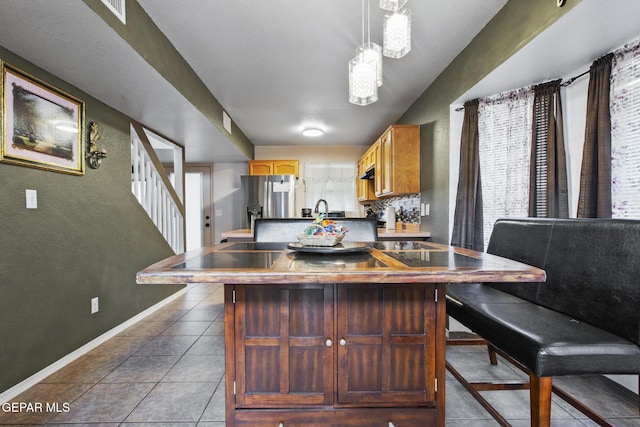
(352, 338)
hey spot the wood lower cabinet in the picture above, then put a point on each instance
(331, 355)
(281, 354)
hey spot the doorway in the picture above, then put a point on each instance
(198, 206)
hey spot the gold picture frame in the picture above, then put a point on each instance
(42, 126)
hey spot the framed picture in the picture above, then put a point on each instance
(42, 127)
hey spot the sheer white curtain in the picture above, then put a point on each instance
(625, 131)
(333, 181)
(504, 127)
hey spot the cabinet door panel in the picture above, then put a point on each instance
(301, 378)
(285, 167)
(408, 367)
(257, 167)
(281, 355)
(262, 365)
(365, 314)
(361, 358)
(389, 340)
(387, 162)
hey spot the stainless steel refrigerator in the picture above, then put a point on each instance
(268, 196)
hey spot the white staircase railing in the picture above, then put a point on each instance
(152, 188)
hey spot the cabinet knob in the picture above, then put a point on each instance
(280, 424)
(328, 342)
(343, 342)
(391, 424)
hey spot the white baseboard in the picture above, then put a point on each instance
(59, 364)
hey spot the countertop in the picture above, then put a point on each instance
(246, 233)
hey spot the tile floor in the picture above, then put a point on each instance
(167, 370)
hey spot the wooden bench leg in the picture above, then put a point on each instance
(540, 393)
(493, 358)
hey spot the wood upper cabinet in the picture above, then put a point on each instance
(336, 354)
(364, 187)
(371, 156)
(274, 167)
(398, 165)
(286, 167)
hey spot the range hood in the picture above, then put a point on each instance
(369, 174)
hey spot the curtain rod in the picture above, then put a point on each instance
(564, 84)
(573, 79)
(625, 49)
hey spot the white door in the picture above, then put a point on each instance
(198, 206)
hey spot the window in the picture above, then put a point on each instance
(334, 182)
(625, 132)
(504, 127)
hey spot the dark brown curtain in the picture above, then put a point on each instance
(467, 220)
(548, 194)
(594, 200)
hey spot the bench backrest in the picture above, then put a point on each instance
(287, 229)
(592, 266)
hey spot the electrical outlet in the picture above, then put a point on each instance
(95, 305)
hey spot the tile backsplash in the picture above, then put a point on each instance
(407, 208)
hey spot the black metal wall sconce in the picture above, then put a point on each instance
(94, 153)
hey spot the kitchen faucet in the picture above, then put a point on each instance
(326, 206)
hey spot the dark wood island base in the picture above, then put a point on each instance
(334, 355)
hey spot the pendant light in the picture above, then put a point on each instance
(392, 4)
(396, 31)
(365, 70)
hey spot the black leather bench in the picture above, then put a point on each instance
(585, 319)
(287, 229)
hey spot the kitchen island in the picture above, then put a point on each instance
(355, 338)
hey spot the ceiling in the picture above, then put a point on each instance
(279, 66)
(275, 66)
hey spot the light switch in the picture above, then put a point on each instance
(95, 305)
(32, 199)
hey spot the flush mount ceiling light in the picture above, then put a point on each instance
(397, 33)
(365, 70)
(312, 132)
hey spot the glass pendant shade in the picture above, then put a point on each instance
(392, 4)
(363, 83)
(372, 52)
(397, 34)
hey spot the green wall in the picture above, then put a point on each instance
(513, 27)
(88, 238)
